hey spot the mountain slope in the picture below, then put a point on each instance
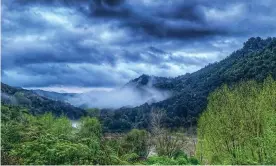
(36, 103)
(256, 60)
(55, 95)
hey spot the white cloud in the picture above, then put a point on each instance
(59, 16)
(234, 11)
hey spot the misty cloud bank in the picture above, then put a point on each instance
(124, 97)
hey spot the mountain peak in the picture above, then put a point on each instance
(142, 80)
(257, 43)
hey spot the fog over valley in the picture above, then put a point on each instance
(128, 96)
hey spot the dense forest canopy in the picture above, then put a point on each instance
(50, 140)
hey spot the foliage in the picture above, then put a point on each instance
(93, 112)
(165, 160)
(239, 125)
(50, 150)
(50, 140)
(89, 128)
(160, 160)
(166, 143)
(45, 139)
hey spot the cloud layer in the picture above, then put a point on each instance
(105, 43)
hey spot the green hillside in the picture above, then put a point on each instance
(38, 104)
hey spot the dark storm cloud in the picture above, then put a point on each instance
(37, 75)
(155, 56)
(155, 21)
(64, 52)
(172, 18)
(106, 42)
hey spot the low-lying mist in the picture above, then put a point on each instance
(128, 96)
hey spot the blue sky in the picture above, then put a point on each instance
(86, 45)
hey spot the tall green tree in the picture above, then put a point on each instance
(239, 125)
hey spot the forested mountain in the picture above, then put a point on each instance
(256, 60)
(38, 104)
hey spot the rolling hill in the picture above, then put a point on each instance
(54, 95)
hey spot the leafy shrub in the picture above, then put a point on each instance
(194, 161)
(160, 160)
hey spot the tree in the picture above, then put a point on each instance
(239, 125)
(136, 141)
(93, 112)
(166, 143)
(90, 128)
